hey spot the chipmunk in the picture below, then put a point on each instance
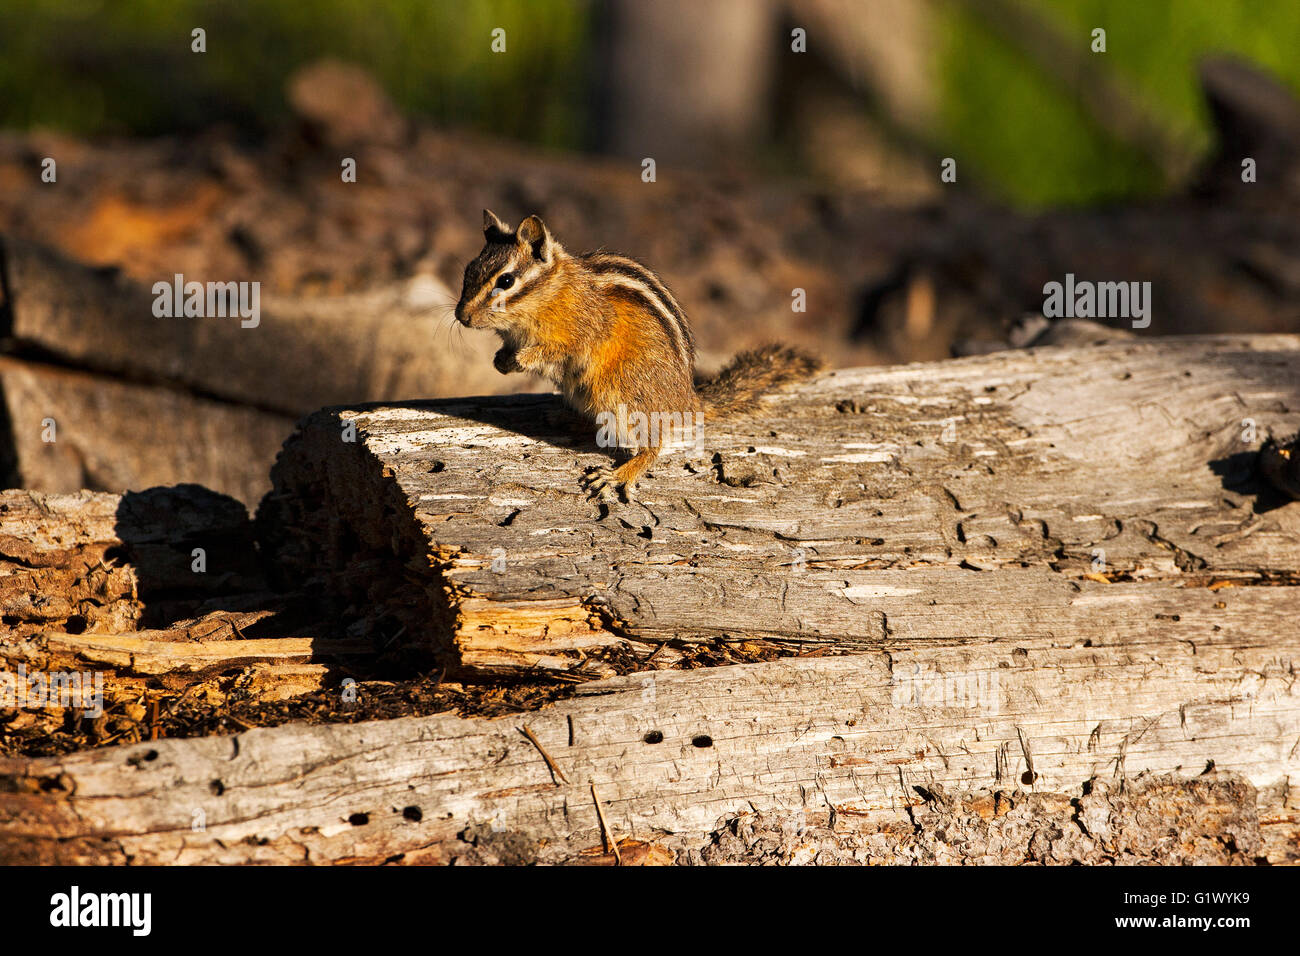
(606, 330)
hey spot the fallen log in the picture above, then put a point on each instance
(676, 755)
(1052, 497)
(1015, 608)
(297, 354)
(63, 430)
(82, 578)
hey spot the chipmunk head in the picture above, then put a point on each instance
(510, 267)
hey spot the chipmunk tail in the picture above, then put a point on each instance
(751, 375)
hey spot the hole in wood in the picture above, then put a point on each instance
(413, 814)
(654, 737)
(359, 819)
(702, 740)
(135, 760)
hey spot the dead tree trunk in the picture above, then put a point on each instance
(1028, 496)
(961, 597)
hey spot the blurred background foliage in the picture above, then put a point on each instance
(1025, 132)
(1016, 120)
(93, 66)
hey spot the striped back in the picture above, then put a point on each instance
(630, 278)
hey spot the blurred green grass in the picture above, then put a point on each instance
(92, 66)
(1028, 139)
(95, 66)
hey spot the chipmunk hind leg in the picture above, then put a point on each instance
(630, 472)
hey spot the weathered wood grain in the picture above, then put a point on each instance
(82, 576)
(1081, 495)
(675, 754)
(88, 561)
(148, 654)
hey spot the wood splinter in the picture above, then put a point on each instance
(550, 764)
(606, 834)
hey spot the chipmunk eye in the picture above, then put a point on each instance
(505, 280)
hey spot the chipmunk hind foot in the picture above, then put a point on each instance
(605, 483)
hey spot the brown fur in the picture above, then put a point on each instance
(611, 338)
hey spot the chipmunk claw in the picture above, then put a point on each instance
(601, 484)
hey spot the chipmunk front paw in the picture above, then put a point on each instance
(507, 360)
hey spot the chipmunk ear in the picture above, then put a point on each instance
(492, 224)
(533, 232)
